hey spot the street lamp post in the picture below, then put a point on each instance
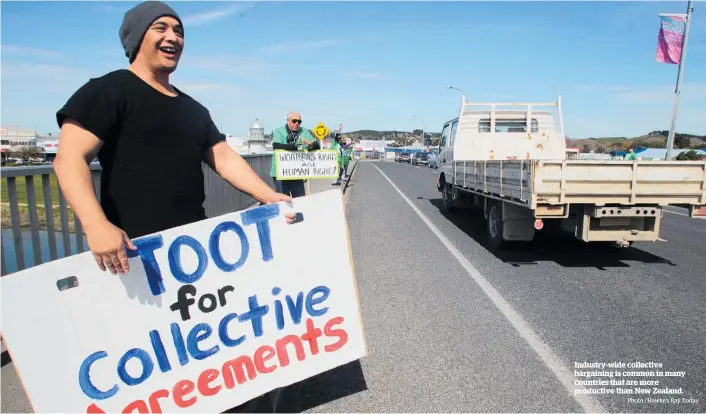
(463, 94)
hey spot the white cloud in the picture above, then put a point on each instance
(26, 51)
(25, 71)
(209, 16)
(233, 65)
(301, 45)
(202, 87)
(363, 75)
(603, 88)
(691, 92)
(110, 7)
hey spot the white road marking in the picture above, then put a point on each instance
(550, 359)
(681, 214)
(661, 239)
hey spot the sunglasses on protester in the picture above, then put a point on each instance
(297, 121)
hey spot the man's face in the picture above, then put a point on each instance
(162, 45)
(294, 121)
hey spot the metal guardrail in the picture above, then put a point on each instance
(33, 238)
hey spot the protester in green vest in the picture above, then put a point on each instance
(338, 147)
(291, 137)
(347, 150)
(630, 155)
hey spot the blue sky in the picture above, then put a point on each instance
(373, 65)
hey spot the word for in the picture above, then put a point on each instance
(239, 370)
(146, 247)
(190, 347)
(208, 303)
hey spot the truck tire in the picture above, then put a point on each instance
(494, 225)
(447, 203)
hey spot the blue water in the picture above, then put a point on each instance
(10, 253)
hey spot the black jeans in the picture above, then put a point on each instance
(293, 188)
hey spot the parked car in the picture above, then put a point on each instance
(405, 157)
(421, 158)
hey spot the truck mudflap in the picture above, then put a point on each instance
(697, 211)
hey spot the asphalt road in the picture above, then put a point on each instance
(440, 342)
(451, 326)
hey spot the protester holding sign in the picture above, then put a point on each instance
(291, 137)
(150, 139)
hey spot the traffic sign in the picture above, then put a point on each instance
(321, 131)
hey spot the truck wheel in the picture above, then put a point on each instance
(495, 226)
(446, 198)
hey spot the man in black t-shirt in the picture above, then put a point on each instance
(150, 139)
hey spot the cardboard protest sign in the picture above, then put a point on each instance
(300, 165)
(211, 315)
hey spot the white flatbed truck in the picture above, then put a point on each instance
(511, 160)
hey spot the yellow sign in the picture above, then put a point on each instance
(321, 131)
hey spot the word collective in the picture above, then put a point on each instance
(198, 346)
(146, 247)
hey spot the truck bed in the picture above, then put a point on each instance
(598, 182)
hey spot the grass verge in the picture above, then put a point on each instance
(38, 192)
(6, 221)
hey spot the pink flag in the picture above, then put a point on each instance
(671, 39)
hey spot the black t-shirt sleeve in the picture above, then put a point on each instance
(96, 106)
(214, 135)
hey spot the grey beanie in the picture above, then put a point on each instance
(136, 22)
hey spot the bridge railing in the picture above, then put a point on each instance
(38, 225)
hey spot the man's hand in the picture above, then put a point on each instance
(276, 198)
(107, 243)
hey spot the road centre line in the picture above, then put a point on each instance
(545, 353)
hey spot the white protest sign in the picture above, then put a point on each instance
(300, 165)
(211, 315)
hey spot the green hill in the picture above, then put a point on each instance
(655, 139)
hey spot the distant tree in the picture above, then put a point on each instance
(690, 156)
(600, 149)
(586, 148)
(681, 141)
(25, 153)
(435, 141)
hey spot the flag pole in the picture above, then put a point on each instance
(680, 75)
